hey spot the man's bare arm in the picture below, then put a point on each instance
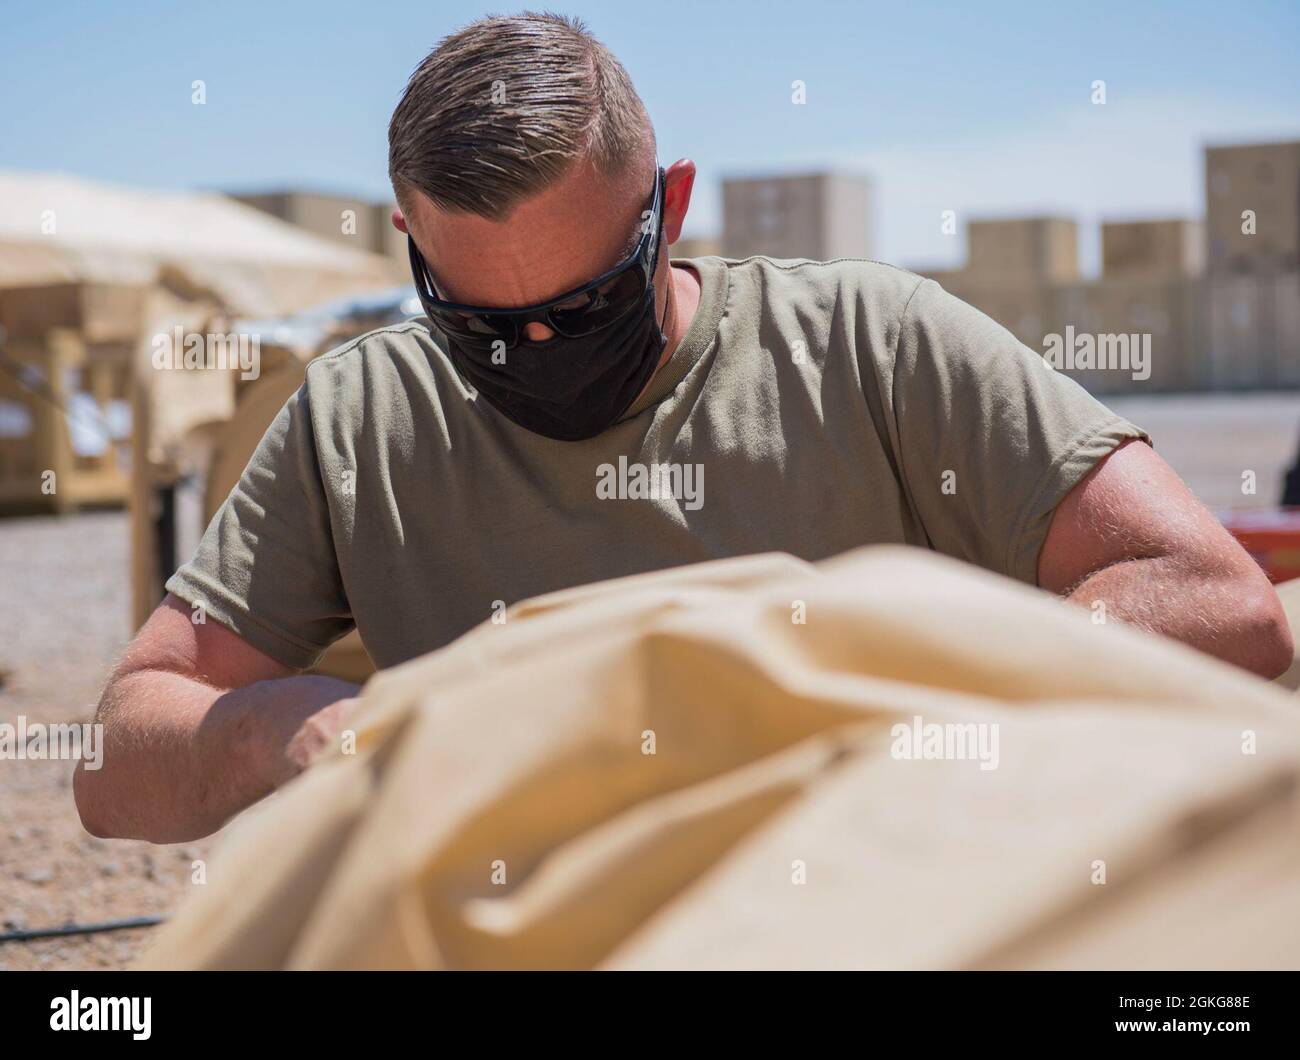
(198, 725)
(1132, 536)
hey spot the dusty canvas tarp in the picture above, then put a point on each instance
(501, 809)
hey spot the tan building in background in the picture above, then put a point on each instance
(1263, 179)
(351, 222)
(1024, 272)
(1172, 248)
(1031, 250)
(818, 215)
(1252, 198)
(1219, 302)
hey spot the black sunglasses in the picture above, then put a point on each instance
(579, 312)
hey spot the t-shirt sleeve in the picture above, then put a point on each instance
(266, 566)
(990, 437)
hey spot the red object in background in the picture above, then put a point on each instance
(1271, 536)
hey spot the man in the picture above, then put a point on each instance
(578, 408)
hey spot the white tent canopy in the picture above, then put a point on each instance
(58, 228)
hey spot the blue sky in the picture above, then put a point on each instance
(982, 109)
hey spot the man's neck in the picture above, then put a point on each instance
(683, 301)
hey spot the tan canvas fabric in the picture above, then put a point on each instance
(500, 810)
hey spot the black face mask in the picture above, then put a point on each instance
(568, 388)
(605, 344)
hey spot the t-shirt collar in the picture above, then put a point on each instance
(700, 333)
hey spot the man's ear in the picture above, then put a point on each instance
(399, 221)
(679, 179)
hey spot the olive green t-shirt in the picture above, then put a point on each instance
(811, 407)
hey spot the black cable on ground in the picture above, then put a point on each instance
(81, 929)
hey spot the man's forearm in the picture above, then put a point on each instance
(179, 774)
(1235, 616)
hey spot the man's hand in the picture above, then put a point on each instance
(1133, 537)
(313, 734)
(199, 724)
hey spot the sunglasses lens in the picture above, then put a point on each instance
(478, 327)
(600, 306)
(581, 315)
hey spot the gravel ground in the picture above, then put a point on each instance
(63, 620)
